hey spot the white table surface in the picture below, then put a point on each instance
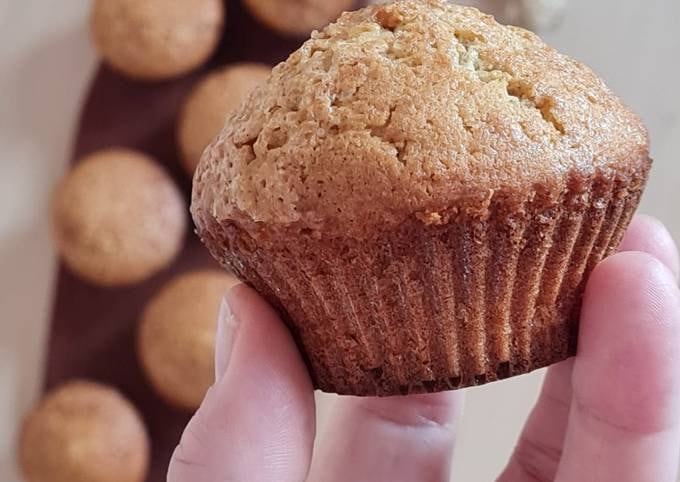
(46, 63)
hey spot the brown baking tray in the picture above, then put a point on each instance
(93, 329)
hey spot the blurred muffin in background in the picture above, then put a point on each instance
(176, 339)
(541, 15)
(297, 18)
(118, 218)
(209, 104)
(84, 432)
(156, 39)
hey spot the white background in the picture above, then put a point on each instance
(46, 63)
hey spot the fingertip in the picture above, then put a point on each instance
(649, 235)
(631, 277)
(267, 353)
(627, 366)
(270, 336)
(242, 299)
(236, 293)
(260, 413)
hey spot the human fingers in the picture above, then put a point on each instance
(257, 422)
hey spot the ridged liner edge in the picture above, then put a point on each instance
(486, 295)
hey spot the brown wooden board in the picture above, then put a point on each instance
(93, 329)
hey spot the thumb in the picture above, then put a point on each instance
(257, 422)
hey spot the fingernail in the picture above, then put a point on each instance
(227, 329)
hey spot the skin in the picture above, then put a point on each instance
(610, 414)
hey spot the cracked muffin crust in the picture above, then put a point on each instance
(402, 108)
(421, 192)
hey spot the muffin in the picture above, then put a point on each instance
(297, 18)
(421, 192)
(156, 39)
(118, 218)
(84, 432)
(209, 104)
(176, 338)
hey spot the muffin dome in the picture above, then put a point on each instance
(404, 108)
(297, 18)
(422, 194)
(156, 39)
(118, 218)
(84, 432)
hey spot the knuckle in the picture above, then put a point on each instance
(536, 460)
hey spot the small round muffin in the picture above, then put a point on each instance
(422, 193)
(156, 39)
(176, 338)
(84, 432)
(118, 218)
(297, 18)
(209, 104)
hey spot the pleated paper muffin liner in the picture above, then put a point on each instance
(478, 292)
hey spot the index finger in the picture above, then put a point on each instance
(539, 448)
(624, 421)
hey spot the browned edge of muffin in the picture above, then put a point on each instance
(486, 289)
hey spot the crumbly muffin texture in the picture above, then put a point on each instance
(84, 432)
(422, 194)
(404, 109)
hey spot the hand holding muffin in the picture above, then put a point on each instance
(611, 414)
(429, 190)
(421, 199)
(425, 197)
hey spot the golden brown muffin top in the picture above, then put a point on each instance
(118, 217)
(405, 109)
(156, 39)
(84, 432)
(297, 18)
(209, 104)
(176, 341)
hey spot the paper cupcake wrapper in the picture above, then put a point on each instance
(476, 296)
